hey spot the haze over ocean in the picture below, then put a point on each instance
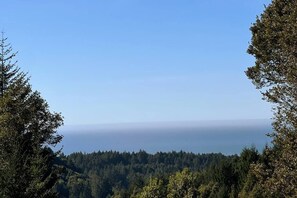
(227, 137)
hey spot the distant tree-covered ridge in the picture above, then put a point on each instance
(27, 130)
(173, 174)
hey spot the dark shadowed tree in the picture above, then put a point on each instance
(274, 46)
(27, 131)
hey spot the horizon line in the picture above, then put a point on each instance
(169, 122)
(166, 125)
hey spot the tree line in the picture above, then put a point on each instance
(172, 174)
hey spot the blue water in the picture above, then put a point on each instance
(225, 137)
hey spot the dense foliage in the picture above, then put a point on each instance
(274, 45)
(173, 174)
(27, 130)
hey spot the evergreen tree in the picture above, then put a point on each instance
(274, 45)
(8, 68)
(27, 131)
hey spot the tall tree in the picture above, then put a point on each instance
(27, 131)
(274, 45)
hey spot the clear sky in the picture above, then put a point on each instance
(117, 61)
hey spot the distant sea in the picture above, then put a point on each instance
(227, 137)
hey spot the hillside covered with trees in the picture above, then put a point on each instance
(174, 174)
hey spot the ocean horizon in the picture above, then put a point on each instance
(227, 137)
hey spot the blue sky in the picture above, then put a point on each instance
(120, 61)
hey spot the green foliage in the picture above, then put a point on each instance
(183, 184)
(155, 189)
(208, 190)
(251, 188)
(174, 174)
(274, 45)
(27, 129)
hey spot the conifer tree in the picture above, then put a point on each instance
(27, 131)
(274, 46)
(8, 68)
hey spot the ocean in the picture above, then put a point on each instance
(227, 137)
